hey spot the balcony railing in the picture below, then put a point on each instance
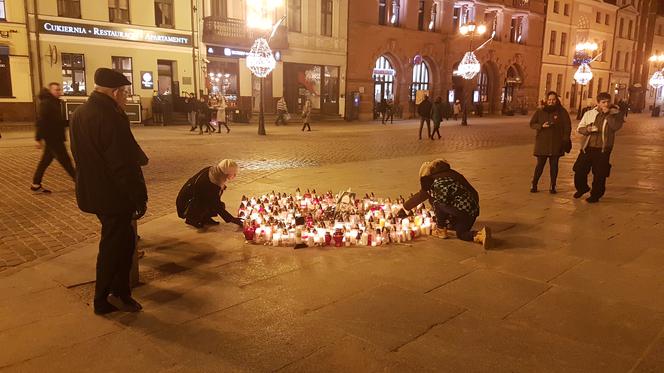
(234, 32)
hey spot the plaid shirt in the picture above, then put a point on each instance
(447, 191)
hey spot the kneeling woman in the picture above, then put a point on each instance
(199, 199)
(455, 202)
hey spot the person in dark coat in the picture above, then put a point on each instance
(199, 200)
(447, 110)
(110, 184)
(424, 110)
(204, 116)
(157, 109)
(50, 135)
(554, 127)
(437, 116)
(455, 202)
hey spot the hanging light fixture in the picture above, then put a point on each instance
(584, 74)
(469, 66)
(260, 59)
(656, 80)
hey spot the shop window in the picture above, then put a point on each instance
(556, 7)
(559, 84)
(73, 74)
(563, 44)
(420, 16)
(420, 79)
(123, 65)
(552, 43)
(219, 9)
(294, 17)
(432, 19)
(516, 30)
(326, 18)
(69, 8)
(566, 9)
(163, 13)
(118, 11)
(3, 15)
(5, 72)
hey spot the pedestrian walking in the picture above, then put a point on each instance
(110, 184)
(552, 139)
(425, 115)
(437, 116)
(598, 127)
(306, 114)
(382, 109)
(222, 119)
(50, 135)
(389, 111)
(191, 105)
(457, 109)
(282, 112)
(204, 116)
(447, 110)
(455, 202)
(199, 199)
(157, 109)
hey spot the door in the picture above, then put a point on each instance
(165, 77)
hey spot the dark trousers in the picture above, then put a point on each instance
(597, 161)
(428, 121)
(553, 168)
(281, 117)
(219, 124)
(389, 115)
(436, 130)
(116, 251)
(53, 150)
(460, 222)
(306, 125)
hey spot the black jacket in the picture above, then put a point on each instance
(425, 109)
(51, 122)
(200, 199)
(109, 179)
(555, 139)
(426, 182)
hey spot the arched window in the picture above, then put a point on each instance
(383, 76)
(420, 79)
(483, 84)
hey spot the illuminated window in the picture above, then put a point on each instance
(3, 16)
(118, 11)
(73, 74)
(123, 65)
(69, 8)
(420, 79)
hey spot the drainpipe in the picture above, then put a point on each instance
(30, 54)
(38, 44)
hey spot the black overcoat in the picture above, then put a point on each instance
(550, 141)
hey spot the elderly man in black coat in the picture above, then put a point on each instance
(110, 184)
(50, 135)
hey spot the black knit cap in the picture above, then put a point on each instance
(105, 77)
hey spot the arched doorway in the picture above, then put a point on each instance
(383, 77)
(487, 88)
(458, 83)
(421, 79)
(513, 80)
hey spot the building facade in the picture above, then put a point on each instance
(573, 22)
(399, 47)
(151, 42)
(15, 86)
(309, 45)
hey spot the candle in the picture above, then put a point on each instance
(276, 239)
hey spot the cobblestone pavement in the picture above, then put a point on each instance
(34, 226)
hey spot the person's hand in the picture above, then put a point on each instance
(402, 214)
(140, 211)
(238, 222)
(38, 144)
(546, 125)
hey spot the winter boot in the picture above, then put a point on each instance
(483, 237)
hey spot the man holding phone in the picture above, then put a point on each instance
(598, 127)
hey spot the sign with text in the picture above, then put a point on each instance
(147, 80)
(112, 33)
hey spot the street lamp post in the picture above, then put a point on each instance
(657, 79)
(583, 74)
(469, 66)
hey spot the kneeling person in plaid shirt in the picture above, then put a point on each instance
(455, 202)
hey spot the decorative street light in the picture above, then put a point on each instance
(469, 66)
(657, 79)
(583, 74)
(261, 62)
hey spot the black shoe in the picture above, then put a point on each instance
(127, 303)
(210, 221)
(580, 193)
(533, 189)
(553, 190)
(592, 199)
(104, 307)
(228, 130)
(39, 189)
(194, 224)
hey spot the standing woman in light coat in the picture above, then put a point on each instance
(306, 114)
(221, 114)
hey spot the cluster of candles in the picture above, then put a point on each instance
(308, 219)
